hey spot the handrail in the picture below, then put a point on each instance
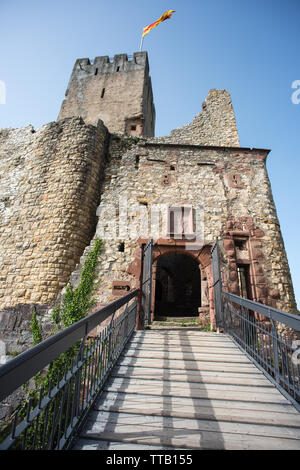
(68, 398)
(270, 338)
(290, 319)
(20, 369)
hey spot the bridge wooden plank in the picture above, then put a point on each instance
(184, 345)
(189, 364)
(198, 349)
(204, 412)
(108, 421)
(182, 339)
(177, 402)
(239, 358)
(200, 391)
(209, 394)
(92, 444)
(163, 384)
(155, 369)
(191, 332)
(186, 333)
(189, 376)
(198, 440)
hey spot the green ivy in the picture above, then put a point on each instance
(75, 305)
(77, 302)
(36, 329)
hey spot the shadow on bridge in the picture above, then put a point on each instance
(143, 406)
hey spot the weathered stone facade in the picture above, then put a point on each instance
(71, 181)
(49, 193)
(219, 182)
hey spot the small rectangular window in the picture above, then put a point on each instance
(103, 91)
(241, 244)
(121, 247)
(96, 72)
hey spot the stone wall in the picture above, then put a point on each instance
(49, 193)
(119, 92)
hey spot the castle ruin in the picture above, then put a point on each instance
(98, 171)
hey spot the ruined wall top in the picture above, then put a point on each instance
(215, 125)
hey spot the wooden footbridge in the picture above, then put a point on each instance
(187, 389)
(124, 387)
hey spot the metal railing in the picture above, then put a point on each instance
(270, 337)
(53, 414)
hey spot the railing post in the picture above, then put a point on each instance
(146, 285)
(217, 285)
(139, 319)
(78, 379)
(275, 349)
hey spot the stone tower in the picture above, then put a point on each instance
(119, 92)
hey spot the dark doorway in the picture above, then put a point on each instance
(244, 280)
(178, 286)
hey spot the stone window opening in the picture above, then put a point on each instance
(166, 180)
(96, 71)
(172, 168)
(137, 162)
(103, 92)
(235, 179)
(134, 127)
(241, 244)
(118, 69)
(121, 247)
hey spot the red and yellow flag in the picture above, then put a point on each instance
(163, 17)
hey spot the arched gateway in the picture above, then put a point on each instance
(181, 281)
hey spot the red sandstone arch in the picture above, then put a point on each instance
(164, 247)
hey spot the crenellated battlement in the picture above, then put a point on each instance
(118, 63)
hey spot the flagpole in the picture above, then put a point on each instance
(141, 43)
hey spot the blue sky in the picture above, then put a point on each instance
(249, 47)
